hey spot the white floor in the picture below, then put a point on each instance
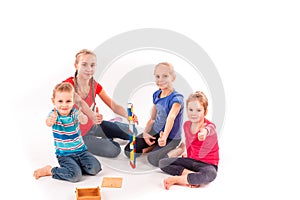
(250, 167)
(135, 185)
(245, 170)
(143, 182)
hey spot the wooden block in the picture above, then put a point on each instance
(88, 193)
(112, 182)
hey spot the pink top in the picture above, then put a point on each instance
(206, 151)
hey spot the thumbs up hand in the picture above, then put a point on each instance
(83, 119)
(162, 140)
(98, 116)
(50, 121)
(202, 133)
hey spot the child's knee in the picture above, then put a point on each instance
(75, 177)
(162, 163)
(153, 159)
(94, 169)
(211, 174)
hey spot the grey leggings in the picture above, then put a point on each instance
(204, 173)
(99, 140)
(158, 152)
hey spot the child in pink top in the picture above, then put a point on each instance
(201, 164)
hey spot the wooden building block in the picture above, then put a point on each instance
(88, 193)
(112, 182)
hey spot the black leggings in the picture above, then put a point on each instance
(157, 153)
(203, 173)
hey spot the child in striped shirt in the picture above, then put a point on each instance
(71, 152)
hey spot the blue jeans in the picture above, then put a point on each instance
(204, 173)
(99, 140)
(73, 166)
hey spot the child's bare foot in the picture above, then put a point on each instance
(148, 149)
(182, 145)
(168, 182)
(178, 151)
(44, 171)
(186, 171)
(175, 180)
(198, 186)
(194, 186)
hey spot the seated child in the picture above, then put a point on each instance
(162, 133)
(201, 164)
(71, 152)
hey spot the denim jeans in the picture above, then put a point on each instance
(99, 140)
(204, 173)
(73, 166)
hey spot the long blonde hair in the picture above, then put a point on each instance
(77, 56)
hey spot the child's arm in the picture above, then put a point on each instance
(207, 130)
(50, 121)
(116, 108)
(211, 129)
(82, 118)
(85, 108)
(149, 139)
(169, 124)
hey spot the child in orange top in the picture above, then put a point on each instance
(201, 164)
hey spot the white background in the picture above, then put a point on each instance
(253, 44)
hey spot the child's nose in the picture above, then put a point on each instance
(90, 68)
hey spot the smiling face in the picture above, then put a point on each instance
(63, 98)
(197, 104)
(195, 111)
(63, 102)
(86, 65)
(164, 76)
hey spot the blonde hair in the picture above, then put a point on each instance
(199, 96)
(77, 56)
(63, 87)
(83, 52)
(169, 65)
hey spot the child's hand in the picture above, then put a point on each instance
(83, 119)
(52, 118)
(135, 119)
(99, 117)
(202, 134)
(149, 139)
(162, 140)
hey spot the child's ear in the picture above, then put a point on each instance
(75, 65)
(52, 99)
(205, 112)
(173, 77)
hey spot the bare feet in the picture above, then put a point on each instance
(178, 151)
(148, 149)
(175, 180)
(44, 171)
(194, 186)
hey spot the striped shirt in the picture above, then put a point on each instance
(66, 133)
